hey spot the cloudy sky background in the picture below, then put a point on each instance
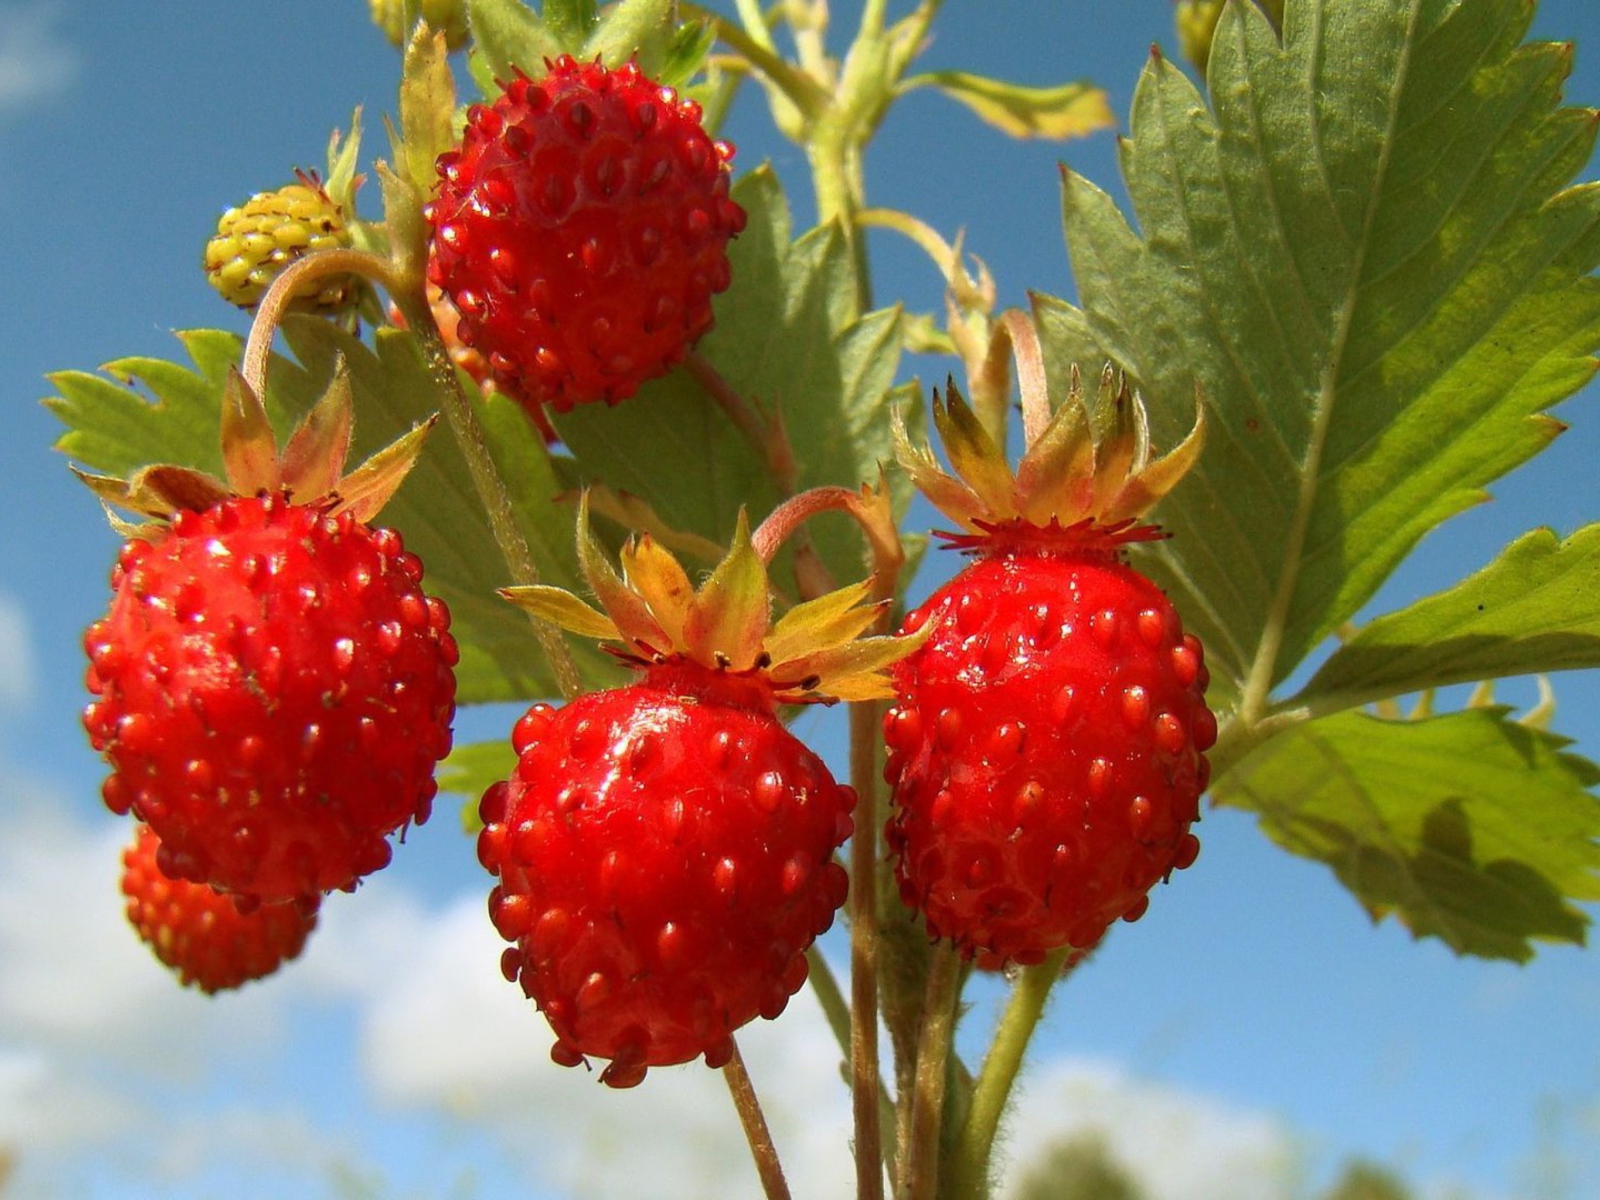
(1252, 1031)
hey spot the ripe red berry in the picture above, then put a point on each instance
(201, 933)
(580, 230)
(272, 690)
(1047, 751)
(665, 857)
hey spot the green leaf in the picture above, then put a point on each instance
(1534, 609)
(1066, 111)
(115, 429)
(1413, 817)
(787, 339)
(1361, 252)
(506, 36)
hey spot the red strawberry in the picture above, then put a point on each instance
(665, 850)
(273, 688)
(581, 230)
(201, 933)
(1047, 750)
(272, 685)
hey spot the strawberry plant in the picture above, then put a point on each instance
(585, 358)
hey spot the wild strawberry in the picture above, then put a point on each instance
(581, 230)
(201, 933)
(1047, 749)
(665, 850)
(257, 240)
(272, 687)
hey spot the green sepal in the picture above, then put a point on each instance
(1067, 110)
(944, 491)
(832, 617)
(569, 22)
(402, 217)
(640, 29)
(973, 454)
(560, 607)
(344, 159)
(314, 456)
(508, 36)
(636, 624)
(249, 447)
(365, 491)
(427, 107)
(684, 58)
(651, 569)
(732, 609)
(856, 670)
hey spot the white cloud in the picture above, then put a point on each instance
(91, 1028)
(34, 61)
(445, 1030)
(78, 984)
(16, 655)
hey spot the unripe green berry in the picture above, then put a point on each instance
(257, 240)
(447, 15)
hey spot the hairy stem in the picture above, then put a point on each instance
(866, 720)
(762, 1149)
(970, 1160)
(919, 1174)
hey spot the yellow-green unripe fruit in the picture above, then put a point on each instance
(257, 240)
(448, 15)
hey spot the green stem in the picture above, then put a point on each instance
(866, 723)
(803, 91)
(919, 1176)
(970, 1161)
(835, 156)
(762, 1148)
(491, 488)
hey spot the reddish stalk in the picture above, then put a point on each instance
(871, 511)
(762, 1148)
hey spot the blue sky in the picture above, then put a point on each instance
(1253, 1028)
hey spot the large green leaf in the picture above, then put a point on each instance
(1469, 827)
(787, 340)
(1361, 252)
(116, 429)
(1534, 609)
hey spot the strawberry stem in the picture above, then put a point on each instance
(873, 514)
(975, 1143)
(491, 488)
(919, 1175)
(866, 722)
(762, 1148)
